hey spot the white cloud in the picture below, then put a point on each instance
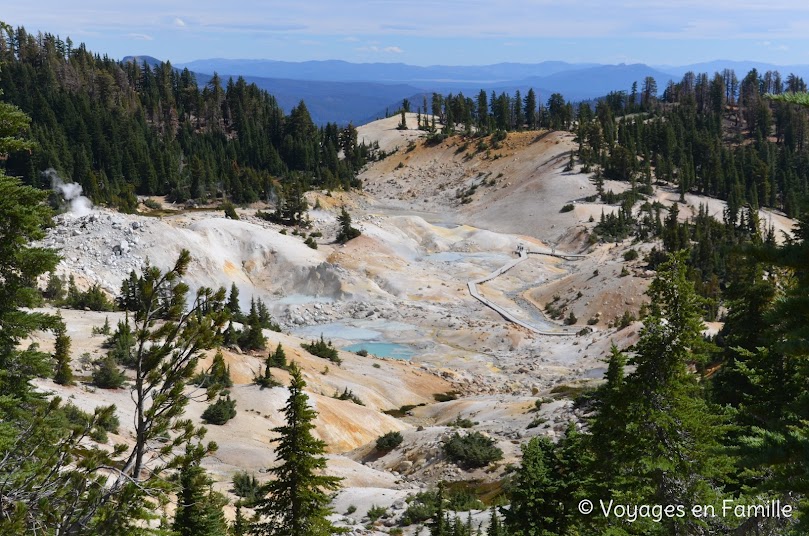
(140, 37)
(393, 50)
(179, 23)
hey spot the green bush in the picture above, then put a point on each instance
(625, 320)
(461, 423)
(322, 349)
(631, 255)
(220, 411)
(567, 208)
(571, 319)
(472, 450)
(230, 211)
(446, 397)
(420, 508)
(247, 487)
(152, 204)
(498, 136)
(107, 375)
(348, 394)
(93, 298)
(463, 500)
(265, 379)
(389, 441)
(375, 512)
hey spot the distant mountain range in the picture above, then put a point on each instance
(343, 92)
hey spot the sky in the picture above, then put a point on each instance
(431, 32)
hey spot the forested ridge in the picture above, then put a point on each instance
(124, 129)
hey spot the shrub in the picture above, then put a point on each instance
(103, 330)
(55, 290)
(278, 359)
(265, 379)
(389, 441)
(446, 397)
(499, 135)
(107, 375)
(472, 450)
(310, 242)
(248, 488)
(322, 349)
(217, 377)
(348, 394)
(434, 138)
(571, 319)
(152, 204)
(363, 353)
(624, 271)
(350, 510)
(220, 411)
(420, 508)
(347, 231)
(375, 512)
(230, 211)
(93, 298)
(567, 208)
(625, 320)
(252, 338)
(631, 255)
(461, 423)
(463, 500)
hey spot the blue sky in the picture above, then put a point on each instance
(430, 32)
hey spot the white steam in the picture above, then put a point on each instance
(71, 191)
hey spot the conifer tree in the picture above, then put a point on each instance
(439, 525)
(61, 354)
(233, 303)
(297, 503)
(278, 358)
(667, 434)
(199, 508)
(495, 527)
(347, 232)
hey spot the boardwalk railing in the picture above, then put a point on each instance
(523, 254)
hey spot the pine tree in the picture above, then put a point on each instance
(495, 527)
(439, 525)
(278, 358)
(61, 354)
(233, 303)
(347, 232)
(240, 525)
(217, 377)
(667, 435)
(535, 499)
(199, 508)
(297, 504)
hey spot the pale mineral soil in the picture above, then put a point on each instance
(402, 283)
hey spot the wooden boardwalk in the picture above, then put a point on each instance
(523, 254)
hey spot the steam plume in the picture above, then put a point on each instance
(71, 191)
